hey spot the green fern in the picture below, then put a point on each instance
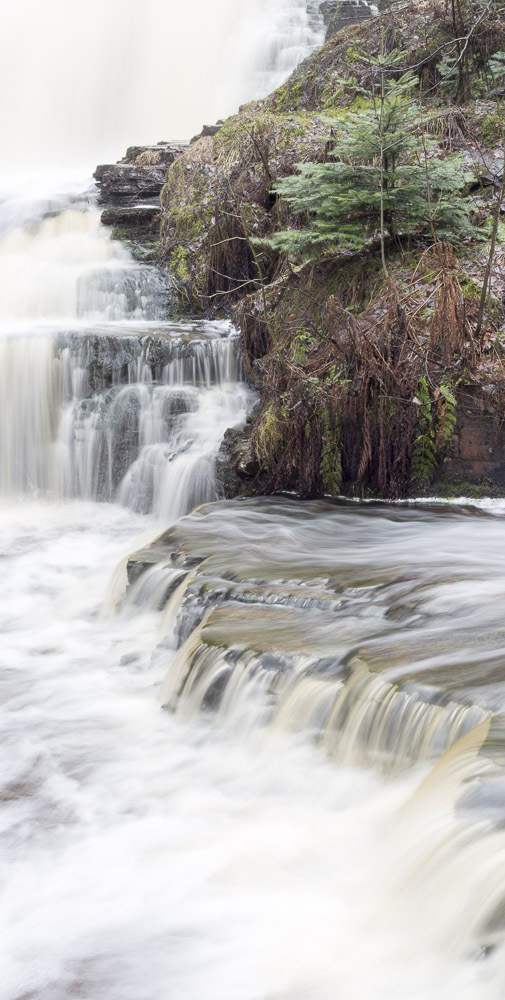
(496, 71)
(436, 426)
(424, 450)
(447, 417)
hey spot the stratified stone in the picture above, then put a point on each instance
(130, 191)
(120, 183)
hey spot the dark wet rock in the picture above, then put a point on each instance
(236, 464)
(130, 193)
(139, 222)
(475, 465)
(120, 183)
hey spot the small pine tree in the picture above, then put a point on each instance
(381, 183)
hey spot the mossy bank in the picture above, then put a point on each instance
(373, 379)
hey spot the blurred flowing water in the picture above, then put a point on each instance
(110, 74)
(318, 810)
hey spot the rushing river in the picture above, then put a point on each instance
(239, 845)
(249, 750)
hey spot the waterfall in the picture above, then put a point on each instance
(375, 635)
(318, 810)
(117, 416)
(107, 75)
(302, 647)
(260, 60)
(143, 434)
(63, 267)
(100, 397)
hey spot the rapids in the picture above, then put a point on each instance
(147, 854)
(263, 757)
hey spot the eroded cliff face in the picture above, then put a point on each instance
(342, 355)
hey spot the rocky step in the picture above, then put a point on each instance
(163, 152)
(138, 222)
(130, 190)
(120, 184)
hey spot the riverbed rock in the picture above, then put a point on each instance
(133, 222)
(236, 463)
(208, 130)
(163, 153)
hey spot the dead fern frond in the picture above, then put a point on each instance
(449, 329)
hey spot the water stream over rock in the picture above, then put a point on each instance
(109, 74)
(317, 811)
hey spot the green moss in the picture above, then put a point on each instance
(491, 128)
(471, 289)
(145, 253)
(353, 54)
(456, 486)
(291, 93)
(268, 434)
(179, 263)
(331, 454)
(361, 103)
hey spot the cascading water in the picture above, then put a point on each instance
(261, 63)
(72, 389)
(284, 828)
(103, 416)
(318, 812)
(108, 75)
(119, 409)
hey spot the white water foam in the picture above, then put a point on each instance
(145, 858)
(82, 79)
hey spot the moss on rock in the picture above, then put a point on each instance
(314, 335)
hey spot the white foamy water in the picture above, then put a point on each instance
(125, 411)
(142, 857)
(94, 76)
(56, 269)
(318, 811)
(100, 396)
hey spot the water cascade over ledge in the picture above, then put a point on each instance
(100, 397)
(328, 628)
(263, 759)
(112, 77)
(110, 414)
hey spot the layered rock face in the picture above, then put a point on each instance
(130, 193)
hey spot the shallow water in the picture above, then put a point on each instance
(318, 811)
(147, 855)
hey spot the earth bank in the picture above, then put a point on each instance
(369, 384)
